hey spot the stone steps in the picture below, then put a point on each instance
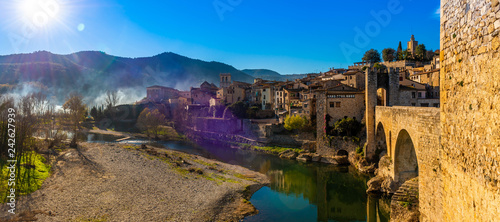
(407, 193)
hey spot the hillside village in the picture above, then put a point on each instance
(344, 90)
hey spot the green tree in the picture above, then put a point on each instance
(371, 56)
(347, 127)
(252, 112)
(150, 122)
(421, 53)
(389, 54)
(405, 55)
(239, 109)
(295, 122)
(399, 52)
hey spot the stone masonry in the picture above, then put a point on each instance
(422, 126)
(470, 110)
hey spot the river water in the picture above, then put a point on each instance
(298, 191)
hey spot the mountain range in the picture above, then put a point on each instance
(92, 73)
(272, 75)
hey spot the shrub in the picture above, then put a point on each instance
(360, 151)
(347, 127)
(239, 109)
(252, 112)
(295, 122)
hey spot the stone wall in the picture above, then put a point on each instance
(326, 147)
(470, 117)
(350, 107)
(218, 125)
(223, 139)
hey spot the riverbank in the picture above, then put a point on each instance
(120, 182)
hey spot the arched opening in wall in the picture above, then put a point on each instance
(406, 163)
(342, 153)
(380, 142)
(381, 97)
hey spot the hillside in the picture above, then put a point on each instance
(271, 75)
(92, 73)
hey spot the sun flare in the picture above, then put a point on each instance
(40, 12)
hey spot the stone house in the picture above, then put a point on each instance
(185, 94)
(309, 104)
(233, 93)
(160, 93)
(200, 97)
(293, 98)
(431, 80)
(412, 93)
(341, 101)
(354, 78)
(203, 94)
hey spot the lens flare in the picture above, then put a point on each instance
(39, 12)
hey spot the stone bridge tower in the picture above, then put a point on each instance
(378, 79)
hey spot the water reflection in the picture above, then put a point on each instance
(298, 191)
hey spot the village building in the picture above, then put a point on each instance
(412, 45)
(354, 78)
(234, 92)
(203, 94)
(225, 80)
(342, 101)
(160, 93)
(293, 101)
(185, 94)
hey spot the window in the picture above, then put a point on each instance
(424, 105)
(350, 77)
(264, 96)
(305, 105)
(436, 105)
(413, 104)
(413, 95)
(419, 95)
(337, 104)
(332, 104)
(263, 90)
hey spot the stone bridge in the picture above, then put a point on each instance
(410, 136)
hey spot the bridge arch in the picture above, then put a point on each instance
(381, 142)
(405, 158)
(342, 153)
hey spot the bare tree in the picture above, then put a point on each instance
(112, 98)
(150, 121)
(76, 109)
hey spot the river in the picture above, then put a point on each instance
(298, 191)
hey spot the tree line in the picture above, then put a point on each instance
(390, 55)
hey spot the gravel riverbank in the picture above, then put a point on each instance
(118, 182)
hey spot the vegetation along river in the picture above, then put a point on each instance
(298, 191)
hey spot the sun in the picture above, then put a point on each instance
(40, 12)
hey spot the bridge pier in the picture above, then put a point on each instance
(371, 103)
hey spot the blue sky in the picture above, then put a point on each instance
(294, 36)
